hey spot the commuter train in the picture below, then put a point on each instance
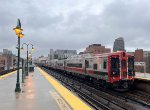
(110, 69)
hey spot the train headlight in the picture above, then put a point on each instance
(113, 73)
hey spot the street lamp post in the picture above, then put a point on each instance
(23, 71)
(18, 32)
(27, 53)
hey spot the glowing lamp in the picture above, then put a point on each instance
(33, 49)
(17, 30)
(21, 35)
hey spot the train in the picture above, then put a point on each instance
(115, 69)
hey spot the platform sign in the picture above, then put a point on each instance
(139, 63)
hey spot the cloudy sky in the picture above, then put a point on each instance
(74, 24)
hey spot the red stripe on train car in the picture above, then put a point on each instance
(75, 69)
(90, 71)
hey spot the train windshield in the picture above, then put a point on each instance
(115, 62)
(131, 63)
(115, 65)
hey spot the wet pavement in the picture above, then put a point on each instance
(144, 75)
(37, 94)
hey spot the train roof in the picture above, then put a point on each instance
(112, 53)
(91, 55)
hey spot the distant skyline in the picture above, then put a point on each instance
(75, 24)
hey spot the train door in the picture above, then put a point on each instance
(123, 69)
(123, 66)
(115, 66)
(131, 66)
(86, 66)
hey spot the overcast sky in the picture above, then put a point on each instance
(74, 24)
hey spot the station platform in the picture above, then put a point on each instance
(40, 91)
(142, 76)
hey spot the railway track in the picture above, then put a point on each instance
(96, 98)
(142, 97)
(6, 71)
(71, 86)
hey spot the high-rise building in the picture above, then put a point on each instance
(97, 49)
(119, 44)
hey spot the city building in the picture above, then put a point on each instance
(119, 44)
(42, 60)
(146, 59)
(138, 55)
(11, 59)
(142, 57)
(97, 49)
(60, 54)
(3, 61)
(138, 58)
(51, 54)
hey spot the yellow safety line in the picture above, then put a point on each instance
(3, 76)
(142, 78)
(60, 101)
(72, 100)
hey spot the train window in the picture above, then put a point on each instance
(105, 64)
(123, 64)
(78, 65)
(90, 66)
(60, 64)
(115, 62)
(95, 66)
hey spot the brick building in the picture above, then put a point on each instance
(3, 61)
(138, 56)
(97, 49)
(142, 56)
